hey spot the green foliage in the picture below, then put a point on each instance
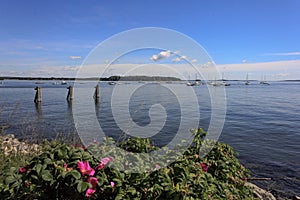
(55, 174)
(138, 145)
(12, 160)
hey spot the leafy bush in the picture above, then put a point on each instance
(68, 172)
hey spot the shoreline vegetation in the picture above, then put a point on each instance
(67, 170)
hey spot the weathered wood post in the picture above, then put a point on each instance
(38, 107)
(38, 95)
(96, 94)
(70, 95)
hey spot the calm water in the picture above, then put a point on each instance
(262, 121)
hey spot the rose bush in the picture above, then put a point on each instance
(64, 171)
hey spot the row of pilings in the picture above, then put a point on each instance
(70, 95)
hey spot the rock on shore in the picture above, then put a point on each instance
(260, 193)
(11, 145)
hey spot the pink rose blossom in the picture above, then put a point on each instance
(112, 184)
(85, 168)
(24, 169)
(89, 192)
(204, 166)
(157, 167)
(94, 182)
(104, 162)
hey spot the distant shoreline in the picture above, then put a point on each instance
(111, 78)
(116, 78)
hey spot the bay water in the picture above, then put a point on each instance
(262, 121)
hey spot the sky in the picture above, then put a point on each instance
(53, 38)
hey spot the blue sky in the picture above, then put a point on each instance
(237, 34)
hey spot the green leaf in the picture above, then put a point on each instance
(46, 175)
(82, 186)
(12, 170)
(9, 180)
(47, 161)
(76, 156)
(62, 174)
(119, 196)
(38, 168)
(86, 156)
(177, 187)
(34, 177)
(51, 156)
(132, 190)
(76, 174)
(15, 184)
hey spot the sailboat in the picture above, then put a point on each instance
(197, 82)
(264, 82)
(112, 83)
(221, 82)
(224, 82)
(63, 82)
(247, 81)
(215, 83)
(188, 83)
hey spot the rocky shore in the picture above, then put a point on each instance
(260, 193)
(12, 146)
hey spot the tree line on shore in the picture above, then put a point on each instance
(111, 78)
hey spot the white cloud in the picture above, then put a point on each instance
(161, 55)
(297, 53)
(289, 69)
(283, 74)
(262, 66)
(75, 57)
(275, 70)
(177, 59)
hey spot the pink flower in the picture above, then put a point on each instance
(85, 168)
(204, 166)
(104, 162)
(112, 184)
(79, 146)
(27, 184)
(157, 166)
(89, 192)
(24, 169)
(94, 182)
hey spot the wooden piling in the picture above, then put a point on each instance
(38, 107)
(70, 95)
(97, 94)
(38, 95)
